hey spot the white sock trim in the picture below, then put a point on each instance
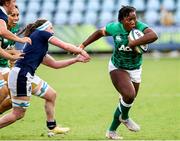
(125, 104)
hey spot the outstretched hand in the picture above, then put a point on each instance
(85, 54)
(81, 58)
(26, 40)
(17, 56)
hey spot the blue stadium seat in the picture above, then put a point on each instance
(33, 6)
(46, 15)
(63, 6)
(90, 17)
(78, 5)
(169, 5)
(120, 3)
(153, 5)
(21, 17)
(48, 6)
(177, 17)
(105, 17)
(75, 18)
(30, 17)
(139, 5)
(93, 5)
(22, 6)
(60, 18)
(151, 17)
(108, 5)
(53, 1)
(20, 1)
(34, 0)
(178, 5)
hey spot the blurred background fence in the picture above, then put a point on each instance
(74, 20)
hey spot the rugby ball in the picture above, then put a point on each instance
(136, 34)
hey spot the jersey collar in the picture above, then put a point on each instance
(3, 10)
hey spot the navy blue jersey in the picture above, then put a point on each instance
(3, 16)
(34, 53)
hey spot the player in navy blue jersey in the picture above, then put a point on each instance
(40, 88)
(20, 77)
(6, 7)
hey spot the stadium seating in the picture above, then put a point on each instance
(178, 4)
(169, 5)
(78, 6)
(118, 3)
(48, 6)
(21, 5)
(80, 11)
(47, 15)
(151, 17)
(93, 5)
(139, 5)
(30, 17)
(60, 18)
(33, 6)
(63, 6)
(90, 17)
(108, 5)
(153, 5)
(105, 17)
(177, 17)
(75, 18)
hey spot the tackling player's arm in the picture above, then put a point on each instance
(93, 37)
(51, 62)
(8, 35)
(7, 55)
(67, 46)
(149, 37)
(13, 51)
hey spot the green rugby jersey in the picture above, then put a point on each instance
(123, 57)
(7, 44)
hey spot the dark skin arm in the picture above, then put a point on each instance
(93, 37)
(149, 37)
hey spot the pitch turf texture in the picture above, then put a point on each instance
(86, 102)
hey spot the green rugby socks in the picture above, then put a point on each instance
(125, 109)
(115, 123)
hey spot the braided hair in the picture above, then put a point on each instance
(124, 12)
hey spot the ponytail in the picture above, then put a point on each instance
(31, 27)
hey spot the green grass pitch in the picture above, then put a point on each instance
(86, 102)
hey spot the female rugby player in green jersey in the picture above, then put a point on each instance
(40, 88)
(8, 46)
(6, 7)
(125, 64)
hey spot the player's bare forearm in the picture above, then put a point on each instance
(51, 62)
(92, 38)
(6, 55)
(66, 46)
(4, 32)
(13, 51)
